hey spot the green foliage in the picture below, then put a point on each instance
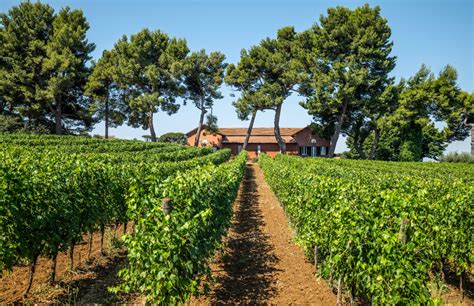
(203, 75)
(109, 101)
(347, 61)
(353, 212)
(10, 123)
(266, 75)
(245, 77)
(410, 150)
(43, 66)
(340, 65)
(168, 254)
(66, 56)
(457, 157)
(24, 35)
(149, 70)
(55, 189)
(211, 124)
(178, 138)
(408, 133)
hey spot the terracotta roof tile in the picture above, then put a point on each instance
(257, 139)
(259, 135)
(258, 131)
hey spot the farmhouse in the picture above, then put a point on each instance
(299, 141)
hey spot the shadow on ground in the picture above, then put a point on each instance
(467, 282)
(94, 289)
(248, 263)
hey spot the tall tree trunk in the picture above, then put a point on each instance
(359, 149)
(107, 114)
(58, 114)
(337, 130)
(249, 130)
(201, 120)
(276, 128)
(152, 128)
(375, 143)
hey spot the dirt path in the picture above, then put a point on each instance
(260, 263)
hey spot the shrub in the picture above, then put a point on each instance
(455, 157)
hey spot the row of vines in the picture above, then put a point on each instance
(173, 241)
(55, 190)
(381, 231)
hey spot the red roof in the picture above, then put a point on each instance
(259, 135)
(258, 131)
(257, 139)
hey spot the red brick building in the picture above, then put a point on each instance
(299, 141)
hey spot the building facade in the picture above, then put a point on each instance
(299, 141)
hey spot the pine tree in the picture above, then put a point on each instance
(24, 33)
(203, 75)
(108, 99)
(149, 71)
(43, 69)
(348, 61)
(66, 57)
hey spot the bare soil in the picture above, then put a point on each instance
(86, 283)
(452, 295)
(260, 262)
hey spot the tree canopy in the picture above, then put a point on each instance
(266, 75)
(43, 66)
(244, 77)
(341, 67)
(203, 76)
(108, 99)
(408, 131)
(348, 61)
(174, 137)
(149, 70)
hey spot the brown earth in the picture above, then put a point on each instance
(260, 262)
(89, 276)
(451, 294)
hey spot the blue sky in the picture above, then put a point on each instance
(433, 32)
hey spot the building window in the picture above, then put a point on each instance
(259, 148)
(308, 151)
(323, 151)
(239, 148)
